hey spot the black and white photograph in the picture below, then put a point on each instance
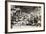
(25, 17)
